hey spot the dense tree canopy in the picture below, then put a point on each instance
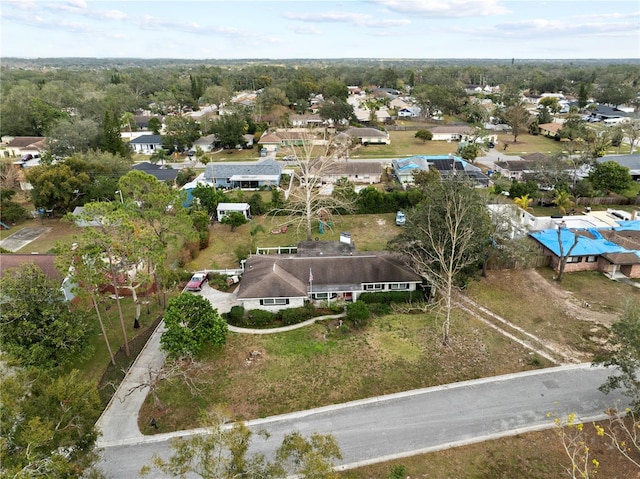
(38, 328)
(610, 176)
(47, 423)
(191, 324)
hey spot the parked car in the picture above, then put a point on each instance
(196, 282)
(400, 218)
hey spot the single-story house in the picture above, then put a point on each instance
(368, 136)
(550, 129)
(307, 121)
(451, 132)
(146, 144)
(223, 209)
(410, 112)
(205, 143)
(270, 141)
(265, 173)
(368, 172)
(161, 173)
(404, 168)
(18, 146)
(515, 169)
(612, 251)
(46, 262)
(318, 273)
(628, 161)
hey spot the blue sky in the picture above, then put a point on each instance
(321, 29)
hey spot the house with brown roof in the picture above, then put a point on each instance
(46, 262)
(19, 146)
(550, 129)
(321, 271)
(368, 136)
(367, 172)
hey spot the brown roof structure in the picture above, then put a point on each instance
(46, 262)
(622, 259)
(274, 276)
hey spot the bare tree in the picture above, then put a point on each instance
(446, 235)
(562, 257)
(316, 157)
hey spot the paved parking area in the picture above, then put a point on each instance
(23, 237)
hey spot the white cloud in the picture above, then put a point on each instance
(446, 8)
(305, 30)
(357, 19)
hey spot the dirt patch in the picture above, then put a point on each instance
(573, 307)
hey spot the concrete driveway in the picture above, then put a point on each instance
(223, 302)
(23, 237)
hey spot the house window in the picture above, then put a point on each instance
(274, 302)
(591, 259)
(399, 286)
(374, 287)
(574, 259)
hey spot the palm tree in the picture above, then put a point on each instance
(523, 202)
(562, 199)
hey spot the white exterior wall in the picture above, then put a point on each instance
(250, 304)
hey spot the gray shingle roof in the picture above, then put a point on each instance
(273, 276)
(227, 170)
(147, 140)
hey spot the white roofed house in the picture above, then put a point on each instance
(223, 209)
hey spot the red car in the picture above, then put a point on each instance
(196, 282)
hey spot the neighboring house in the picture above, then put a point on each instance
(19, 146)
(368, 172)
(451, 132)
(306, 121)
(223, 209)
(146, 144)
(404, 168)
(551, 130)
(265, 173)
(459, 133)
(628, 161)
(270, 141)
(46, 262)
(368, 136)
(515, 169)
(320, 271)
(612, 251)
(205, 143)
(409, 112)
(161, 173)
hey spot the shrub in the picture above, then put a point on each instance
(389, 297)
(259, 318)
(236, 314)
(297, 315)
(358, 313)
(218, 281)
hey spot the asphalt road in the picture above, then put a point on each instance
(387, 427)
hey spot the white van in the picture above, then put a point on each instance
(400, 218)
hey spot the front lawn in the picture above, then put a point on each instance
(323, 364)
